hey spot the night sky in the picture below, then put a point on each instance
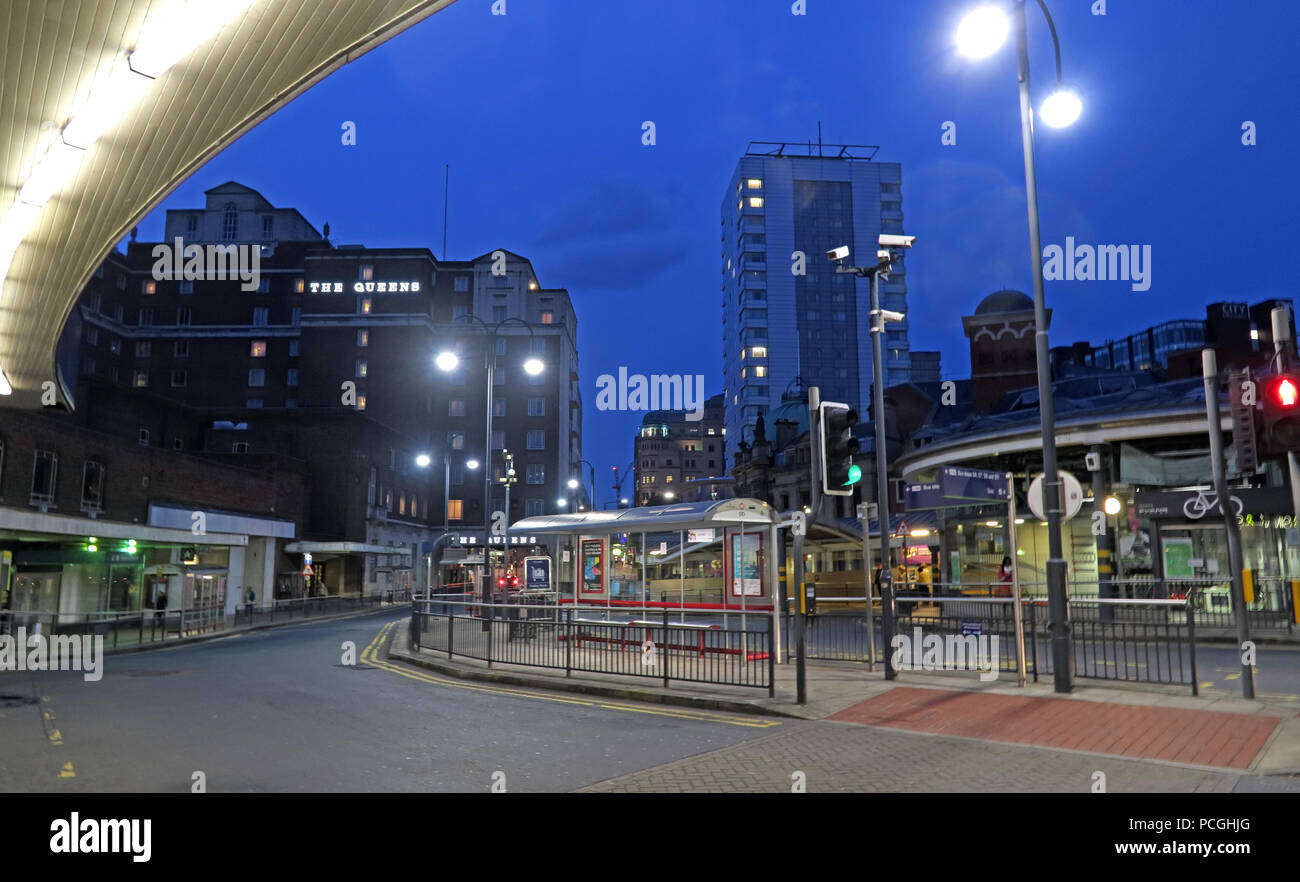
(539, 114)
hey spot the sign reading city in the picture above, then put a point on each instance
(410, 286)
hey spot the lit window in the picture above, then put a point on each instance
(758, 351)
(364, 306)
(141, 379)
(547, 318)
(299, 286)
(755, 201)
(362, 368)
(149, 287)
(258, 349)
(754, 183)
(363, 337)
(760, 370)
(367, 273)
(455, 509)
(361, 402)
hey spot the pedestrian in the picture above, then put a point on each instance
(1005, 576)
(248, 606)
(160, 605)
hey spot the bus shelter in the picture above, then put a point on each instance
(712, 556)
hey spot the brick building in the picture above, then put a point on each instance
(327, 360)
(676, 458)
(91, 522)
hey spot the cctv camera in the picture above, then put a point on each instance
(890, 241)
(840, 253)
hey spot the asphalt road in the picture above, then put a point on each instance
(278, 711)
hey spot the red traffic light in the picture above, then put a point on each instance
(1284, 392)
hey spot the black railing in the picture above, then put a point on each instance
(146, 626)
(1148, 641)
(588, 640)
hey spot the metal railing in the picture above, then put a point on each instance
(146, 626)
(591, 639)
(1143, 640)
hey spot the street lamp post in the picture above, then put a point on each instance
(448, 361)
(981, 33)
(574, 483)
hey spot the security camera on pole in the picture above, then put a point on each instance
(885, 255)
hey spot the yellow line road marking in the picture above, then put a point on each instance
(56, 737)
(371, 657)
(67, 771)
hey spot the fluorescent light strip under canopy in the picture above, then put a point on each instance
(170, 33)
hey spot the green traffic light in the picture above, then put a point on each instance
(855, 475)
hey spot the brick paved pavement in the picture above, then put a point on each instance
(1197, 737)
(849, 758)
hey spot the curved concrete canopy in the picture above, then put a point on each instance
(55, 51)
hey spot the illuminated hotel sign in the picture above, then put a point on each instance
(408, 287)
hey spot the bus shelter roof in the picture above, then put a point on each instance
(655, 518)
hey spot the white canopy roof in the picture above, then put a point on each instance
(683, 516)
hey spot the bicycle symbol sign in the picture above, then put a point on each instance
(1206, 501)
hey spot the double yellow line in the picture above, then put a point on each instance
(370, 655)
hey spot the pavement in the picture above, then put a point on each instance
(1157, 725)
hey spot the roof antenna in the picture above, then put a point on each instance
(819, 137)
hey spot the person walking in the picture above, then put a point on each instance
(1005, 576)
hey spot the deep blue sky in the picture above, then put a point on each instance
(539, 113)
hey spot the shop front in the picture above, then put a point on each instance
(1191, 544)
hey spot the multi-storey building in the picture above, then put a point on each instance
(330, 359)
(676, 458)
(786, 313)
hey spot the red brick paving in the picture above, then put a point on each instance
(1201, 737)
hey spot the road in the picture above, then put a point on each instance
(277, 711)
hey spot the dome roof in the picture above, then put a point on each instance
(1005, 300)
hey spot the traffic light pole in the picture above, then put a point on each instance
(1281, 318)
(1210, 369)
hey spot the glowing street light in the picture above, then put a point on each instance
(1061, 108)
(982, 32)
(533, 367)
(423, 460)
(446, 361)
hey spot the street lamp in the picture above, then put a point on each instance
(884, 262)
(979, 35)
(447, 361)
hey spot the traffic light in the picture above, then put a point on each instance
(1278, 430)
(838, 446)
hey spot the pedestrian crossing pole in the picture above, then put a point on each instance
(1210, 370)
